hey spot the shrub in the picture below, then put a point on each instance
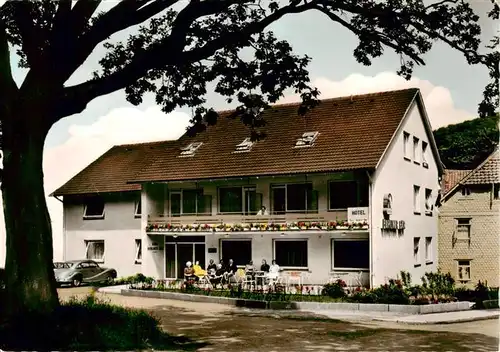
(391, 293)
(438, 283)
(85, 324)
(335, 289)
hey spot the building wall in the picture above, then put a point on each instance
(392, 251)
(483, 251)
(119, 229)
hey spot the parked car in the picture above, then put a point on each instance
(76, 272)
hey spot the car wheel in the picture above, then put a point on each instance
(110, 279)
(77, 281)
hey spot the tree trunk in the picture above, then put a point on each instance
(30, 281)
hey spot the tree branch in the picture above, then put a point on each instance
(81, 13)
(377, 35)
(8, 87)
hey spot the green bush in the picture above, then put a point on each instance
(335, 289)
(85, 324)
(391, 293)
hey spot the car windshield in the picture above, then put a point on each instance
(62, 265)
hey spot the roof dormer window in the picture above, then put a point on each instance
(244, 146)
(190, 149)
(307, 139)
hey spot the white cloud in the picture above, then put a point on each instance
(87, 142)
(438, 100)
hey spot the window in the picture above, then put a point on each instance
(94, 208)
(464, 270)
(190, 149)
(429, 207)
(238, 250)
(291, 253)
(424, 154)
(415, 151)
(406, 145)
(465, 191)
(346, 194)
(496, 191)
(416, 199)
(138, 208)
(463, 229)
(416, 251)
(190, 202)
(298, 197)
(244, 146)
(428, 250)
(94, 250)
(241, 200)
(138, 251)
(306, 140)
(350, 254)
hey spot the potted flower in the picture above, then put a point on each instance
(342, 226)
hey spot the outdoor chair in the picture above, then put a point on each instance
(294, 278)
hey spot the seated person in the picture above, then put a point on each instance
(231, 269)
(274, 270)
(264, 267)
(189, 272)
(198, 271)
(250, 269)
(263, 211)
(219, 276)
(211, 266)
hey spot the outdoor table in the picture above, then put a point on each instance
(259, 276)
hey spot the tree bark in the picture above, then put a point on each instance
(30, 280)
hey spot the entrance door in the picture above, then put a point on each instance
(184, 254)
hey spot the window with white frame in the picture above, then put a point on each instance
(346, 194)
(429, 207)
(239, 250)
(239, 200)
(291, 253)
(464, 269)
(416, 157)
(307, 139)
(416, 199)
(463, 229)
(416, 250)
(190, 202)
(294, 197)
(244, 146)
(406, 145)
(94, 250)
(190, 149)
(428, 250)
(350, 254)
(138, 208)
(93, 208)
(424, 154)
(138, 251)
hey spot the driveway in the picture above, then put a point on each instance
(226, 328)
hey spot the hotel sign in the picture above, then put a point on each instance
(393, 225)
(387, 223)
(359, 214)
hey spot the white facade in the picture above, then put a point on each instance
(397, 175)
(388, 251)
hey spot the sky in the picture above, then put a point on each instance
(451, 90)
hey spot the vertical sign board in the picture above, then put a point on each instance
(359, 214)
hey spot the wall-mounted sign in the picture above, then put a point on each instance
(212, 250)
(359, 214)
(393, 225)
(387, 206)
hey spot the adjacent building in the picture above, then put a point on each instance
(347, 191)
(469, 240)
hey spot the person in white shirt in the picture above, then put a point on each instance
(263, 211)
(274, 271)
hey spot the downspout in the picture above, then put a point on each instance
(370, 237)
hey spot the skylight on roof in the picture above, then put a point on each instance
(190, 149)
(244, 146)
(307, 139)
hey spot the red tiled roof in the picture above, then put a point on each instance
(486, 173)
(111, 171)
(353, 134)
(451, 178)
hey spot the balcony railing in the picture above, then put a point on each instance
(290, 221)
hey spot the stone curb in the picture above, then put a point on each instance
(315, 306)
(450, 321)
